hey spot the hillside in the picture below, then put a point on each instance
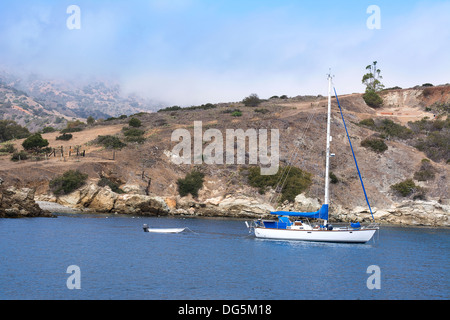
(133, 164)
(37, 102)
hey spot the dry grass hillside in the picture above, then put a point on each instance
(290, 116)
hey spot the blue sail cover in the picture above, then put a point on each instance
(321, 214)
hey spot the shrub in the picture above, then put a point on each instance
(372, 99)
(426, 171)
(113, 185)
(191, 184)
(390, 128)
(368, 123)
(296, 183)
(22, 155)
(7, 148)
(9, 130)
(35, 142)
(132, 132)
(237, 114)
(377, 145)
(68, 130)
(135, 139)
(174, 108)
(252, 100)
(68, 182)
(74, 126)
(110, 142)
(64, 137)
(48, 130)
(333, 178)
(404, 188)
(135, 122)
(436, 146)
(90, 120)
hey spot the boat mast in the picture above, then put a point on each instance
(327, 166)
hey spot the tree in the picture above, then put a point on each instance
(134, 122)
(192, 183)
(90, 120)
(372, 79)
(373, 84)
(252, 100)
(35, 142)
(68, 182)
(9, 129)
(372, 99)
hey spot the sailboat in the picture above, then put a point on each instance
(285, 229)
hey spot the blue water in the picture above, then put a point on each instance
(218, 260)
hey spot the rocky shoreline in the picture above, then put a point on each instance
(94, 199)
(20, 203)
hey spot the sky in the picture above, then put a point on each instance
(190, 52)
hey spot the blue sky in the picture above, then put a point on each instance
(189, 52)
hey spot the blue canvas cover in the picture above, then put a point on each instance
(320, 214)
(356, 225)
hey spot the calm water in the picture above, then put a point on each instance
(218, 260)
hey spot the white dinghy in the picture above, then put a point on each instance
(162, 230)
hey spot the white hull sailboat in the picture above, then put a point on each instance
(345, 234)
(285, 229)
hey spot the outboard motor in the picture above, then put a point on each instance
(145, 228)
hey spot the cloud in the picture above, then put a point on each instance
(194, 51)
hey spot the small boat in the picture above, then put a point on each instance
(285, 229)
(162, 230)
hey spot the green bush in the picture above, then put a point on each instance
(7, 148)
(132, 132)
(48, 130)
(392, 129)
(333, 178)
(110, 142)
(436, 146)
(65, 137)
(111, 184)
(252, 101)
(174, 108)
(297, 182)
(22, 155)
(368, 123)
(134, 122)
(191, 184)
(404, 188)
(68, 182)
(35, 142)
(372, 99)
(237, 114)
(377, 145)
(9, 130)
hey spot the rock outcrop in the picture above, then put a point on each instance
(19, 203)
(103, 200)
